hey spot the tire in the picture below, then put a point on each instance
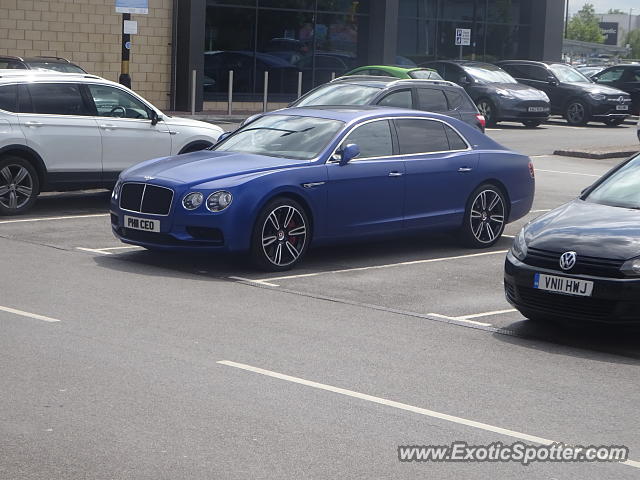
(280, 236)
(485, 217)
(577, 113)
(531, 123)
(488, 110)
(613, 122)
(19, 185)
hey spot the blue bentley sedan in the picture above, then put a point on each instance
(313, 175)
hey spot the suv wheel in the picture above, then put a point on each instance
(19, 185)
(488, 111)
(577, 113)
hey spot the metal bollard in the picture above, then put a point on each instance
(193, 92)
(230, 98)
(266, 89)
(299, 84)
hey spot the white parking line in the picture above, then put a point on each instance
(459, 319)
(94, 250)
(28, 314)
(107, 250)
(543, 210)
(269, 281)
(402, 406)
(568, 173)
(486, 314)
(49, 219)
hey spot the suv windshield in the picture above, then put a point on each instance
(565, 74)
(488, 74)
(621, 189)
(339, 94)
(288, 136)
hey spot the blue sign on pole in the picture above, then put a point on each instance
(132, 6)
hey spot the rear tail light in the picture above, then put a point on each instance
(532, 171)
(481, 120)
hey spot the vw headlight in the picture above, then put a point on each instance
(519, 247)
(192, 200)
(631, 268)
(598, 96)
(218, 201)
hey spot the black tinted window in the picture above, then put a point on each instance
(458, 101)
(536, 73)
(455, 141)
(432, 100)
(9, 98)
(401, 99)
(58, 99)
(374, 139)
(421, 136)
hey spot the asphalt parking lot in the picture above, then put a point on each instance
(120, 376)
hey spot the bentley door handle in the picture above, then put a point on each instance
(395, 174)
(464, 169)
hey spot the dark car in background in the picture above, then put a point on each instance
(436, 96)
(57, 64)
(572, 94)
(625, 78)
(497, 94)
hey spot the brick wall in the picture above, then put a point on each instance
(88, 32)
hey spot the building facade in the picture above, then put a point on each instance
(300, 43)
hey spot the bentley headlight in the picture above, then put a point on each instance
(218, 201)
(192, 200)
(519, 247)
(631, 268)
(115, 193)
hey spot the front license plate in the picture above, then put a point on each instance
(567, 286)
(141, 224)
(538, 109)
(622, 107)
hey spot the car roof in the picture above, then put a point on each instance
(19, 75)
(395, 68)
(386, 82)
(352, 113)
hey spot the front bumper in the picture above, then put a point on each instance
(613, 301)
(523, 110)
(606, 109)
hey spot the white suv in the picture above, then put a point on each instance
(62, 131)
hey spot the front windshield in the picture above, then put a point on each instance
(339, 94)
(622, 189)
(288, 136)
(489, 74)
(566, 74)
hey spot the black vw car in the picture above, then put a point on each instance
(623, 77)
(581, 261)
(497, 94)
(572, 94)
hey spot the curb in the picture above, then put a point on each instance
(600, 154)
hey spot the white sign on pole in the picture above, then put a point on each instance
(463, 36)
(130, 27)
(132, 6)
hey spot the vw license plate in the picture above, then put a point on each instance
(144, 224)
(567, 286)
(622, 107)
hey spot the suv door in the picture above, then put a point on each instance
(440, 169)
(128, 136)
(57, 121)
(366, 195)
(434, 100)
(398, 98)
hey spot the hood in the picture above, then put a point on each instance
(205, 166)
(188, 122)
(518, 90)
(588, 229)
(597, 88)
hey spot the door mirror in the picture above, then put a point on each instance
(551, 80)
(464, 80)
(155, 118)
(348, 153)
(223, 135)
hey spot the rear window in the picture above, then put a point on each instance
(339, 94)
(458, 101)
(9, 98)
(58, 99)
(421, 136)
(432, 100)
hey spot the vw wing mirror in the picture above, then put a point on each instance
(552, 80)
(155, 118)
(348, 153)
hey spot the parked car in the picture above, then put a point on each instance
(63, 131)
(303, 176)
(572, 94)
(580, 261)
(589, 70)
(429, 95)
(625, 78)
(57, 64)
(398, 72)
(497, 94)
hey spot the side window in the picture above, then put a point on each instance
(612, 75)
(459, 101)
(635, 75)
(401, 99)
(9, 98)
(432, 100)
(534, 72)
(374, 139)
(58, 99)
(113, 102)
(421, 136)
(455, 141)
